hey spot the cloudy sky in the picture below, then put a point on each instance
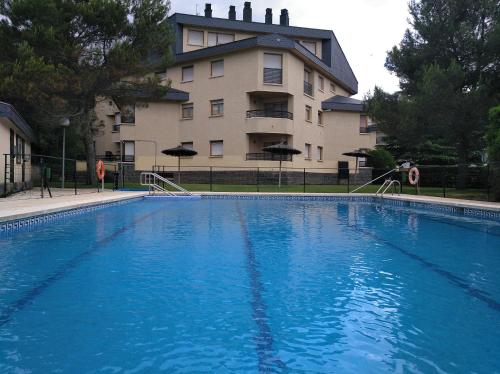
(366, 29)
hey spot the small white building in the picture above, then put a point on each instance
(16, 138)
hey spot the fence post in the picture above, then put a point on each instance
(348, 179)
(5, 177)
(258, 172)
(444, 182)
(211, 179)
(74, 177)
(42, 176)
(304, 180)
(488, 183)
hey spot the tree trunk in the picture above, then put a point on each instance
(89, 147)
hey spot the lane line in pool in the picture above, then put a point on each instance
(264, 338)
(62, 271)
(452, 278)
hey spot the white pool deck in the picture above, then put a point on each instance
(30, 203)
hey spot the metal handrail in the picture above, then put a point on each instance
(151, 179)
(387, 184)
(269, 113)
(373, 180)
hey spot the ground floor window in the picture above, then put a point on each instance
(307, 151)
(216, 148)
(319, 153)
(128, 151)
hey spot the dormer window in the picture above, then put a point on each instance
(216, 38)
(195, 37)
(310, 46)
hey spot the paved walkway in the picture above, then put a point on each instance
(28, 204)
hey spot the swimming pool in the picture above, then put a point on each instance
(251, 286)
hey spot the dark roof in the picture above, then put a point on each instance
(332, 55)
(8, 111)
(270, 40)
(342, 103)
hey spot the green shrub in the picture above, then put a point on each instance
(493, 140)
(381, 159)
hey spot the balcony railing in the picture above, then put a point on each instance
(126, 158)
(273, 75)
(308, 88)
(269, 113)
(368, 129)
(267, 156)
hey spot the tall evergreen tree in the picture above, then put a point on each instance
(59, 56)
(449, 72)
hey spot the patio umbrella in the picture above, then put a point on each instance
(356, 154)
(281, 149)
(179, 152)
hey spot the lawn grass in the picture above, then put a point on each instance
(468, 194)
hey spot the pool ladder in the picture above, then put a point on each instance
(388, 183)
(156, 183)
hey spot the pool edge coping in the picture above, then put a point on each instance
(476, 209)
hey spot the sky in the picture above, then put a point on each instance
(365, 29)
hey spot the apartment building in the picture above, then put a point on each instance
(237, 86)
(16, 137)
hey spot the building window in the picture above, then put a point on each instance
(363, 124)
(127, 113)
(217, 107)
(310, 46)
(187, 111)
(273, 68)
(319, 153)
(307, 151)
(187, 145)
(216, 38)
(321, 83)
(216, 148)
(320, 117)
(19, 151)
(308, 113)
(128, 151)
(217, 68)
(333, 88)
(308, 87)
(187, 73)
(195, 37)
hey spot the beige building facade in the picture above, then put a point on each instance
(236, 87)
(16, 137)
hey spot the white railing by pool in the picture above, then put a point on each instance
(156, 182)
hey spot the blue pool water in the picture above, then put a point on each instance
(251, 286)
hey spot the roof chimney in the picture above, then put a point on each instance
(284, 20)
(232, 12)
(269, 16)
(208, 10)
(247, 12)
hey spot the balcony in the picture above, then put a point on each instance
(273, 76)
(368, 129)
(269, 114)
(267, 156)
(308, 88)
(269, 122)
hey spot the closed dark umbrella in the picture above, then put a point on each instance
(282, 149)
(179, 152)
(356, 154)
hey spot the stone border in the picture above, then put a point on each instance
(17, 224)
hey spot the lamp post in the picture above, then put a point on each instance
(64, 123)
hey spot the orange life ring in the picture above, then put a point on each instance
(413, 176)
(100, 170)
